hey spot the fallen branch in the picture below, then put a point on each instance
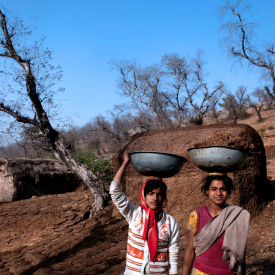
(261, 250)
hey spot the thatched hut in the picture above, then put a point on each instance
(22, 178)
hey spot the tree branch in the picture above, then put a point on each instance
(18, 116)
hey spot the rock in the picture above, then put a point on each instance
(66, 207)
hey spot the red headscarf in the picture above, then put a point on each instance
(150, 231)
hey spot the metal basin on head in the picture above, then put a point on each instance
(218, 158)
(157, 164)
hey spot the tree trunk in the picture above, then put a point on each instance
(64, 154)
(199, 122)
(62, 150)
(235, 119)
(259, 114)
(60, 147)
(199, 119)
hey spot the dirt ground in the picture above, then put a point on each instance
(53, 235)
(70, 243)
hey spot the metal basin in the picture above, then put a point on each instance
(158, 164)
(218, 158)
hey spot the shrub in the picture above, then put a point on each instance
(216, 121)
(101, 166)
(261, 132)
(267, 108)
(244, 114)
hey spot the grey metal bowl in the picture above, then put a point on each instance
(218, 158)
(158, 164)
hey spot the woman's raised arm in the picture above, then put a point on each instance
(121, 170)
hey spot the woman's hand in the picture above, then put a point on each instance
(126, 157)
(126, 160)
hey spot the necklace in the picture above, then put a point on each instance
(215, 214)
(213, 211)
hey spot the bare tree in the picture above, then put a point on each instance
(34, 78)
(177, 72)
(201, 108)
(185, 82)
(104, 136)
(168, 90)
(121, 122)
(213, 103)
(267, 97)
(241, 100)
(88, 139)
(143, 87)
(143, 122)
(5, 150)
(22, 148)
(230, 104)
(257, 106)
(114, 133)
(239, 41)
(235, 105)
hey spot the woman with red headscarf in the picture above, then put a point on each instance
(153, 238)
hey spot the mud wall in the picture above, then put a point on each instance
(184, 189)
(7, 188)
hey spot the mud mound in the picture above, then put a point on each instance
(184, 189)
(246, 140)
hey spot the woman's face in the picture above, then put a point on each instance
(154, 199)
(217, 192)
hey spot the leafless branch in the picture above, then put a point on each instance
(17, 115)
(239, 41)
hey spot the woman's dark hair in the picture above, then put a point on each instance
(154, 184)
(227, 182)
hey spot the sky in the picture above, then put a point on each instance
(85, 35)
